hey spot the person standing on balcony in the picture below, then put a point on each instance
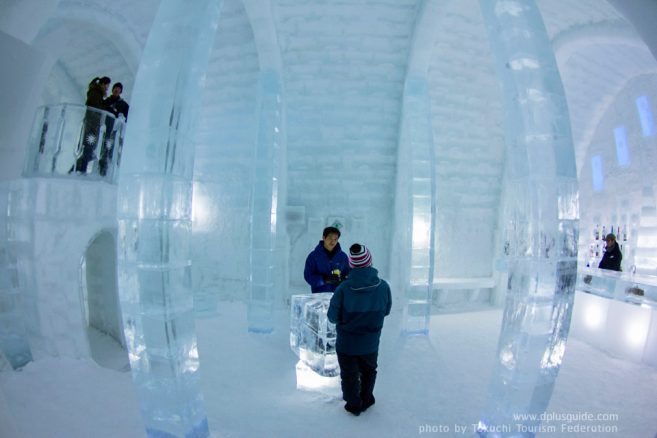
(116, 104)
(92, 120)
(119, 107)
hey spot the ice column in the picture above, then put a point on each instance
(540, 219)
(416, 194)
(268, 162)
(154, 214)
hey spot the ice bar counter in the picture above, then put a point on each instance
(312, 336)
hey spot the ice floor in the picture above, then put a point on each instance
(425, 387)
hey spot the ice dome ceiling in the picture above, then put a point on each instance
(597, 49)
(343, 65)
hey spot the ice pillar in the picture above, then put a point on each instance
(268, 162)
(154, 215)
(540, 219)
(416, 195)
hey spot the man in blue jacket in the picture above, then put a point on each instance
(357, 308)
(327, 265)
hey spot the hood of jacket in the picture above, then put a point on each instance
(363, 280)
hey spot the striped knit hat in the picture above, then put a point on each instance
(359, 256)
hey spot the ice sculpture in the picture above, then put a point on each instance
(416, 150)
(540, 219)
(268, 168)
(154, 219)
(312, 336)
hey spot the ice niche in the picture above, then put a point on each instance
(155, 220)
(540, 220)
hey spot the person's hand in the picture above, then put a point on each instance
(332, 278)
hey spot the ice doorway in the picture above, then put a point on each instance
(100, 302)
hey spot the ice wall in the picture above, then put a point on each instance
(344, 71)
(155, 219)
(467, 128)
(540, 219)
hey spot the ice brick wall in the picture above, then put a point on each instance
(344, 69)
(223, 169)
(468, 138)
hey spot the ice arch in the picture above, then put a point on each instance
(154, 219)
(413, 246)
(101, 297)
(268, 195)
(540, 218)
(104, 22)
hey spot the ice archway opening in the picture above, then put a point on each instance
(155, 197)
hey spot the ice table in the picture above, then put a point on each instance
(312, 336)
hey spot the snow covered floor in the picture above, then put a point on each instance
(249, 382)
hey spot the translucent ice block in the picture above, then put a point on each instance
(312, 336)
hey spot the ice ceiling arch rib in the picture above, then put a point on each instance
(154, 219)
(540, 217)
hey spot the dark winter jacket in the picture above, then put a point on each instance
(95, 95)
(357, 308)
(320, 265)
(611, 259)
(117, 106)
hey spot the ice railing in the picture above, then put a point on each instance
(70, 140)
(621, 286)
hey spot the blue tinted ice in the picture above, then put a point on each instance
(312, 335)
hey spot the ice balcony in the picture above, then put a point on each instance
(70, 140)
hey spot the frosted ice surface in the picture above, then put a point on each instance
(312, 336)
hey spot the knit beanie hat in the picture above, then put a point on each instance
(359, 256)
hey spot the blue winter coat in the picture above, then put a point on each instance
(319, 265)
(357, 308)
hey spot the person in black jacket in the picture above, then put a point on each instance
(357, 308)
(92, 120)
(119, 107)
(612, 257)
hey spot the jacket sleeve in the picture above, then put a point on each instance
(335, 306)
(347, 268)
(389, 306)
(311, 274)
